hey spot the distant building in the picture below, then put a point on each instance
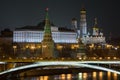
(6, 33)
(96, 37)
(6, 36)
(83, 23)
(6, 39)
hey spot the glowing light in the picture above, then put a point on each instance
(94, 75)
(39, 46)
(84, 75)
(59, 47)
(43, 78)
(80, 76)
(62, 76)
(108, 46)
(100, 75)
(100, 58)
(109, 75)
(91, 46)
(115, 76)
(27, 46)
(80, 58)
(33, 47)
(69, 76)
(116, 48)
(108, 57)
(14, 47)
(44, 46)
(2, 62)
(114, 58)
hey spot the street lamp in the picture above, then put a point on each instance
(14, 48)
(33, 48)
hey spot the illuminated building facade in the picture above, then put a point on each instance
(35, 36)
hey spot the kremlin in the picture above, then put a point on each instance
(65, 41)
(49, 41)
(54, 41)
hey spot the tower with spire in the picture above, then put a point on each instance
(95, 28)
(47, 42)
(86, 37)
(83, 23)
(75, 27)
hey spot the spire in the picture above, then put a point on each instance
(47, 23)
(83, 22)
(95, 28)
(95, 21)
(83, 8)
(46, 13)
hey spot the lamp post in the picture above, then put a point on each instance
(14, 48)
(33, 48)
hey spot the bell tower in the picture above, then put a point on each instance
(95, 28)
(47, 42)
(83, 23)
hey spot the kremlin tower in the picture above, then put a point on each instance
(75, 26)
(83, 23)
(47, 42)
(95, 28)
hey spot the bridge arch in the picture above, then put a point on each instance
(40, 64)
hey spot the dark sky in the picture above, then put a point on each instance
(18, 13)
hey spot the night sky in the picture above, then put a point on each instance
(19, 13)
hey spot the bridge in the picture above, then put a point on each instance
(93, 64)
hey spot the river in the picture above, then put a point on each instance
(78, 76)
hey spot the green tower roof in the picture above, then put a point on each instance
(47, 23)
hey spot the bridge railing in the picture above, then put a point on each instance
(59, 59)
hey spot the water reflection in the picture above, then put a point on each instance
(84, 76)
(109, 75)
(94, 75)
(115, 76)
(62, 76)
(100, 75)
(79, 76)
(42, 78)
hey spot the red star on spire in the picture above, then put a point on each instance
(47, 9)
